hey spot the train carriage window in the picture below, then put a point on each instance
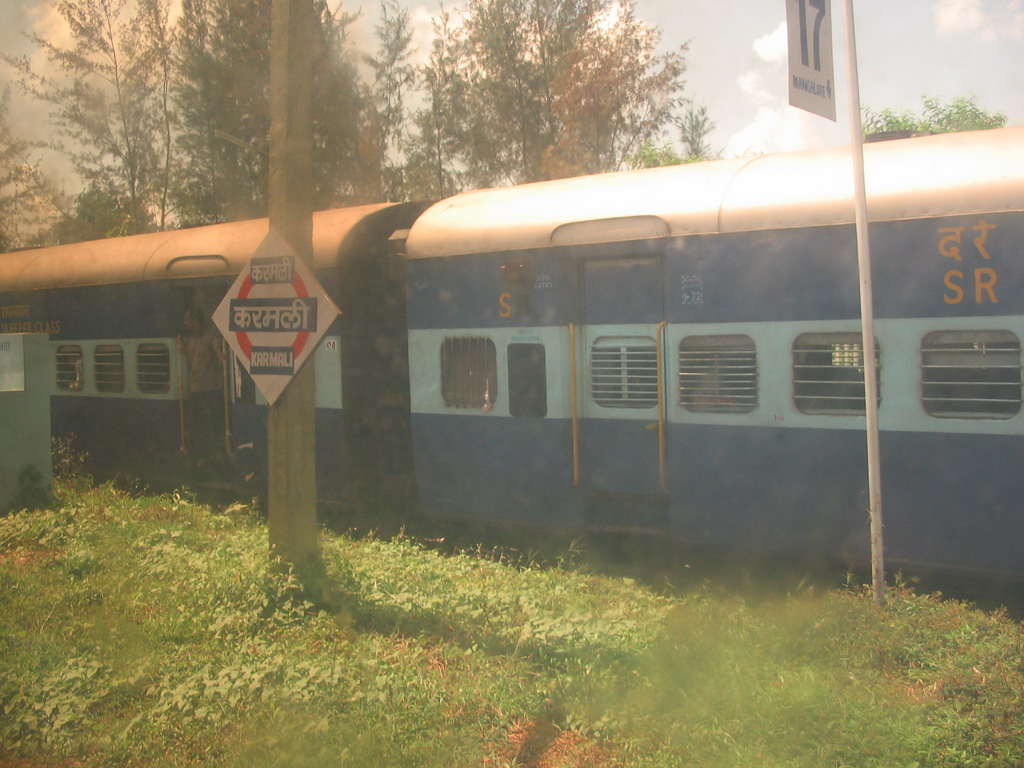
(469, 372)
(153, 368)
(971, 374)
(624, 372)
(718, 374)
(70, 368)
(109, 368)
(527, 380)
(828, 373)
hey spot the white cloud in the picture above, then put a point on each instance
(45, 20)
(752, 83)
(775, 129)
(956, 16)
(775, 126)
(423, 34)
(763, 86)
(1004, 19)
(421, 23)
(774, 46)
(1015, 18)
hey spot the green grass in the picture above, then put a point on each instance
(151, 632)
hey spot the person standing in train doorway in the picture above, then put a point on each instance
(202, 347)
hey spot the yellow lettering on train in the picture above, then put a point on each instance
(958, 282)
(985, 283)
(13, 310)
(505, 300)
(949, 246)
(15, 327)
(37, 326)
(982, 227)
(984, 286)
(958, 292)
(46, 326)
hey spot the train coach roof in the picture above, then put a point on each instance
(219, 249)
(908, 178)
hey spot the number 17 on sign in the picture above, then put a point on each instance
(811, 78)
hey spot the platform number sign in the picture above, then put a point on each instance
(274, 315)
(811, 78)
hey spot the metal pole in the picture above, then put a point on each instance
(866, 313)
(291, 425)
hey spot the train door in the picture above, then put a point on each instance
(622, 410)
(205, 417)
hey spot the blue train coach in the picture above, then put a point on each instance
(674, 352)
(677, 352)
(118, 383)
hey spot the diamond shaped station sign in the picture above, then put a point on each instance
(274, 315)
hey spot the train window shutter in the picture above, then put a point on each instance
(971, 374)
(469, 372)
(828, 373)
(718, 374)
(70, 368)
(153, 368)
(624, 372)
(109, 368)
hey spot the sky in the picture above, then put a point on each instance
(737, 59)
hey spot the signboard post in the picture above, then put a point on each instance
(273, 323)
(867, 313)
(811, 88)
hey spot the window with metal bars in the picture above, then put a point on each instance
(624, 372)
(70, 368)
(108, 368)
(718, 374)
(828, 373)
(469, 372)
(971, 374)
(153, 368)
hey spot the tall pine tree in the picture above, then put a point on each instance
(105, 96)
(525, 90)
